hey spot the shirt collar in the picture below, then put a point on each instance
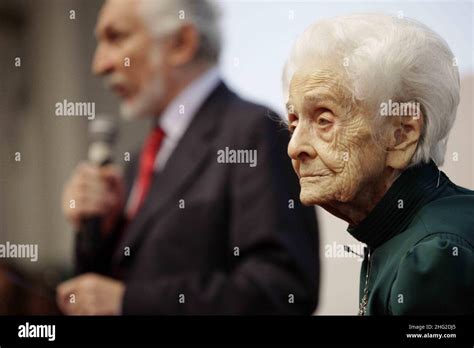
(179, 113)
(414, 188)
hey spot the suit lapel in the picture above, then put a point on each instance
(188, 157)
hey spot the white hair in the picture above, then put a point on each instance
(385, 57)
(164, 17)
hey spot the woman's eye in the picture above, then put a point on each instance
(324, 117)
(292, 122)
(292, 127)
(323, 121)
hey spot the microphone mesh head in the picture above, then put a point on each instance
(102, 134)
(103, 129)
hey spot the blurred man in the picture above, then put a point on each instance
(206, 219)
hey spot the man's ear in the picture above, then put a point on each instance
(403, 137)
(183, 46)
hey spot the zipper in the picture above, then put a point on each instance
(365, 298)
(347, 249)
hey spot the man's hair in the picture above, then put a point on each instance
(385, 57)
(164, 17)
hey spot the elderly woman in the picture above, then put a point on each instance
(371, 100)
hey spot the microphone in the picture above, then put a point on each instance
(102, 135)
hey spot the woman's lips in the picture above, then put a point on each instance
(309, 175)
(312, 177)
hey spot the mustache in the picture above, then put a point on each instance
(115, 79)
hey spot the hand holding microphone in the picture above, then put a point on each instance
(95, 193)
(93, 200)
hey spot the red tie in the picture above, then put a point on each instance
(145, 175)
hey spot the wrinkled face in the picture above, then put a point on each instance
(332, 147)
(127, 57)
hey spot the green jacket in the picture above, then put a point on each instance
(420, 247)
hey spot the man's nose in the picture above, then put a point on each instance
(299, 147)
(103, 62)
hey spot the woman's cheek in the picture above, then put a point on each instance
(331, 151)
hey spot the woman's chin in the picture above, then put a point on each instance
(310, 197)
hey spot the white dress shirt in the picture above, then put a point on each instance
(177, 116)
(179, 113)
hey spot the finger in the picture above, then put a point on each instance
(79, 183)
(99, 203)
(89, 173)
(111, 171)
(63, 292)
(67, 287)
(113, 176)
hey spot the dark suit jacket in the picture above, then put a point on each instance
(242, 244)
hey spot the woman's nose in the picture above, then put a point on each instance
(299, 147)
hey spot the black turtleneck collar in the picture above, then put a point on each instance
(414, 188)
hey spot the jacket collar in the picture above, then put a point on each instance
(415, 187)
(188, 157)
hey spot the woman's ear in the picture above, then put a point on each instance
(403, 137)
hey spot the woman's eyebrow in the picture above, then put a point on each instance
(316, 98)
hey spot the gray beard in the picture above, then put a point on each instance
(144, 103)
